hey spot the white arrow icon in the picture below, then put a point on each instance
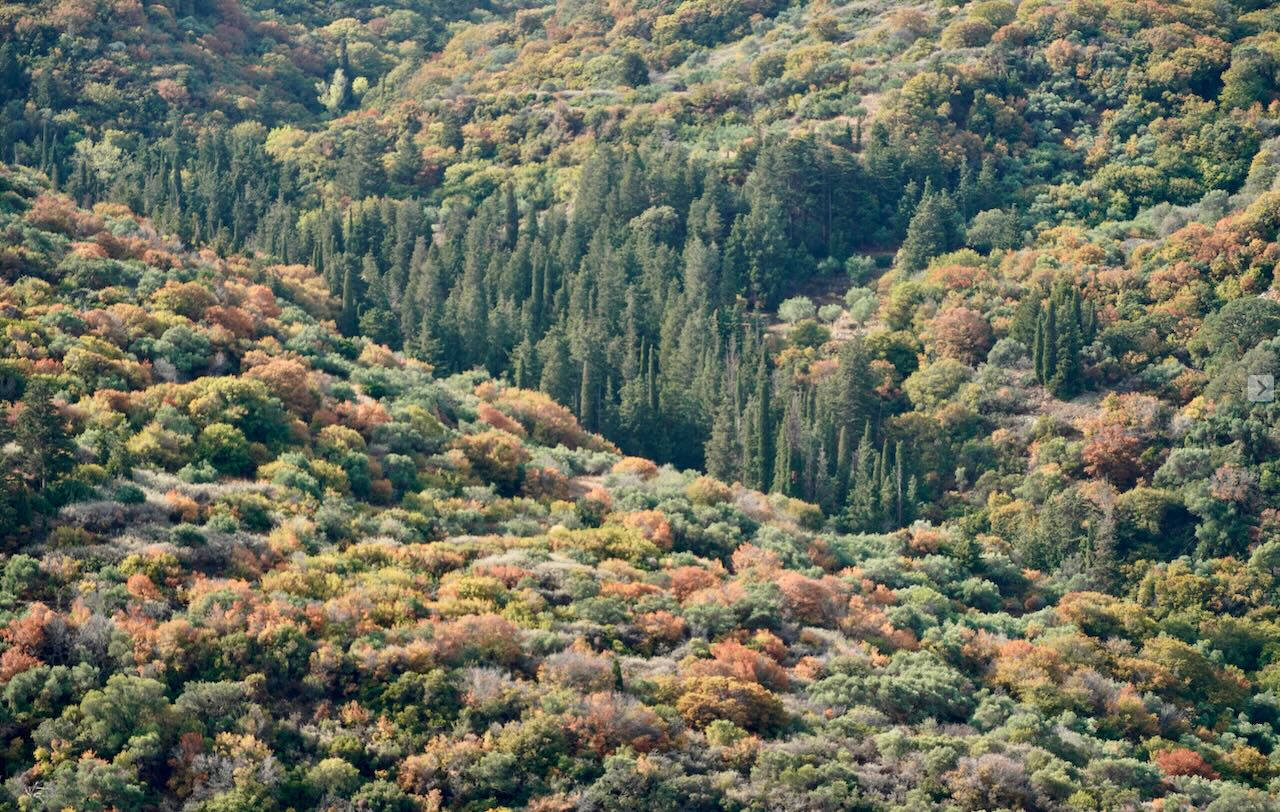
(1261, 388)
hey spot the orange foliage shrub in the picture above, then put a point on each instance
(660, 627)
(960, 333)
(26, 636)
(607, 721)
(865, 620)
(746, 704)
(289, 380)
(925, 540)
(55, 212)
(630, 592)
(14, 661)
(956, 277)
(732, 659)
(141, 587)
(1034, 673)
(1112, 454)
(687, 580)
(641, 467)
(1128, 715)
(652, 525)
(810, 602)
(376, 355)
(1181, 761)
(259, 300)
(578, 668)
(305, 288)
(507, 574)
(88, 250)
(499, 420)
(427, 773)
(548, 422)
(381, 491)
(477, 639)
(545, 484)
(236, 321)
(363, 415)
(182, 508)
(749, 557)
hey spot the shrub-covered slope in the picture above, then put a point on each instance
(965, 309)
(254, 564)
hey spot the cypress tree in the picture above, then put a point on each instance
(912, 501)
(898, 485)
(844, 452)
(782, 471)
(1065, 377)
(758, 454)
(824, 485)
(348, 321)
(722, 451)
(1048, 345)
(588, 397)
(1037, 348)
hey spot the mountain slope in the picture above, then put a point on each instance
(966, 310)
(265, 564)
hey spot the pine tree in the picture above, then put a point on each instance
(42, 433)
(511, 217)
(1037, 345)
(912, 503)
(333, 94)
(13, 79)
(885, 476)
(861, 502)
(758, 242)
(934, 229)
(557, 373)
(524, 363)
(426, 344)
(15, 496)
(1103, 566)
(406, 162)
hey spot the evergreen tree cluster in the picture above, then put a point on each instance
(1063, 327)
(639, 304)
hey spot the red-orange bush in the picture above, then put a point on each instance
(477, 639)
(1181, 761)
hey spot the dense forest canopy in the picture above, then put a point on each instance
(654, 404)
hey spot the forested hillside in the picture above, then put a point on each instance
(680, 404)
